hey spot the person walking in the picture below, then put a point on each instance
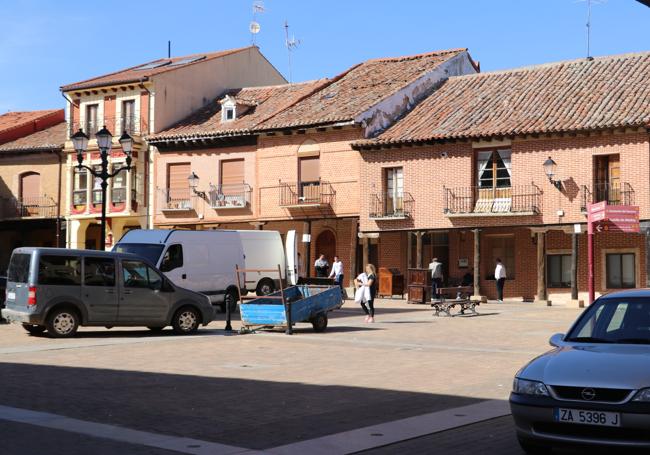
(368, 281)
(500, 276)
(337, 272)
(436, 277)
(322, 266)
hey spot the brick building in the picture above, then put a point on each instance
(31, 163)
(280, 158)
(141, 100)
(461, 177)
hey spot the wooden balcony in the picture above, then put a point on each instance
(29, 207)
(477, 201)
(385, 207)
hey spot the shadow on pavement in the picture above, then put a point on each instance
(242, 412)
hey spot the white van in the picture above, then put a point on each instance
(204, 261)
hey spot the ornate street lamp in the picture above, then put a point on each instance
(104, 143)
(549, 170)
(193, 181)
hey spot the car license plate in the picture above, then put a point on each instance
(11, 296)
(584, 417)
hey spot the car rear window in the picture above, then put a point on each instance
(19, 268)
(59, 270)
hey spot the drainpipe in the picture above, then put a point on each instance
(58, 200)
(147, 156)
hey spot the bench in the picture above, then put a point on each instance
(450, 297)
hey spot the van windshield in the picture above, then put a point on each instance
(18, 271)
(149, 251)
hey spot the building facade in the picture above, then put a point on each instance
(472, 185)
(280, 158)
(31, 180)
(141, 100)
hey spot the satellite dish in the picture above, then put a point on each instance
(254, 28)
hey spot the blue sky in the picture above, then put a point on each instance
(45, 44)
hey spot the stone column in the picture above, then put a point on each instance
(542, 292)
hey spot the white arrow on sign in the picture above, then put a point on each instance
(599, 227)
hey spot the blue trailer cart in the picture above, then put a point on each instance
(294, 304)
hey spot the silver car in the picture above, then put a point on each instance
(57, 290)
(593, 388)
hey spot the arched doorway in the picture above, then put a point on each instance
(326, 244)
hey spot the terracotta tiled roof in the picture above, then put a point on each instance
(262, 102)
(145, 70)
(579, 95)
(51, 138)
(12, 120)
(357, 89)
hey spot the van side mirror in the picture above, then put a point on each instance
(556, 340)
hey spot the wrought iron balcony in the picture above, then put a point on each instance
(28, 207)
(386, 206)
(132, 124)
(480, 201)
(175, 200)
(234, 196)
(306, 194)
(617, 193)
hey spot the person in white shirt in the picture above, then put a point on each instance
(337, 272)
(436, 277)
(500, 276)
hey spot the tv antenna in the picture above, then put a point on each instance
(254, 26)
(290, 43)
(590, 3)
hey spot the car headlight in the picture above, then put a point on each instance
(642, 395)
(526, 387)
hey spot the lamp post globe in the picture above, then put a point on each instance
(80, 141)
(126, 142)
(549, 168)
(193, 180)
(104, 139)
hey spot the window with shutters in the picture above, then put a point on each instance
(178, 190)
(231, 175)
(118, 182)
(92, 122)
(309, 178)
(128, 117)
(30, 196)
(394, 190)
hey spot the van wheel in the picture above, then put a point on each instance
(265, 287)
(34, 329)
(62, 323)
(319, 322)
(186, 321)
(230, 299)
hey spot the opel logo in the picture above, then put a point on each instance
(588, 394)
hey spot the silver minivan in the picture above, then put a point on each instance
(57, 290)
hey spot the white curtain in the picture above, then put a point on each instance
(505, 157)
(482, 160)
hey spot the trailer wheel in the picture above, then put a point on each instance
(319, 322)
(266, 286)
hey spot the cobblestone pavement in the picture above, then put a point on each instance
(267, 389)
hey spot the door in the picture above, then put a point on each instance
(30, 192)
(291, 249)
(178, 189)
(326, 244)
(309, 176)
(99, 291)
(394, 191)
(141, 298)
(493, 181)
(172, 264)
(232, 182)
(607, 186)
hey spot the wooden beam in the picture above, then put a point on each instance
(477, 262)
(542, 294)
(418, 249)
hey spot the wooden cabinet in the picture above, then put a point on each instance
(419, 286)
(391, 282)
